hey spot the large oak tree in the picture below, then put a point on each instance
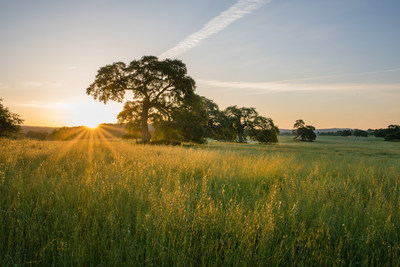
(158, 86)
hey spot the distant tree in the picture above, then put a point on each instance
(299, 124)
(344, 133)
(37, 135)
(379, 133)
(9, 122)
(246, 122)
(360, 133)
(393, 128)
(158, 86)
(329, 133)
(241, 119)
(66, 133)
(391, 133)
(264, 130)
(393, 136)
(304, 132)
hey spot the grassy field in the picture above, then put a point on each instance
(335, 201)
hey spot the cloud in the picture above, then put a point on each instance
(235, 12)
(343, 75)
(264, 87)
(32, 84)
(46, 105)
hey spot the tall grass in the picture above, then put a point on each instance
(94, 202)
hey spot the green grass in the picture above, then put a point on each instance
(335, 201)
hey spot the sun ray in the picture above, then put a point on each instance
(112, 129)
(81, 132)
(102, 133)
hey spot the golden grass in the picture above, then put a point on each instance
(97, 201)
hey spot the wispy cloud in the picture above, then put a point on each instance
(33, 84)
(235, 12)
(261, 87)
(46, 105)
(343, 75)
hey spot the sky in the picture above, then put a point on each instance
(332, 63)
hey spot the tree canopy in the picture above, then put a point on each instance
(9, 122)
(246, 122)
(303, 132)
(241, 120)
(264, 130)
(360, 133)
(159, 88)
(185, 123)
(218, 126)
(391, 133)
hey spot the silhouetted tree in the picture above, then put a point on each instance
(246, 122)
(218, 125)
(184, 123)
(9, 122)
(344, 133)
(391, 133)
(37, 135)
(264, 130)
(299, 124)
(241, 119)
(67, 133)
(360, 133)
(395, 136)
(393, 128)
(304, 132)
(158, 87)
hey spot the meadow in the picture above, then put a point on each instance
(109, 202)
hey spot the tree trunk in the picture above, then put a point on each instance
(145, 128)
(241, 135)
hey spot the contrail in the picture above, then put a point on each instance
(220, 22)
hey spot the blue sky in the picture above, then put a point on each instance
(333, 63)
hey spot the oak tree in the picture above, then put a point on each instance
(246, 122)
(218, 125)
(304, 132)
(264, 130)
(241, 119)
(158, 86)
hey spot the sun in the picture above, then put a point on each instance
(92, 126)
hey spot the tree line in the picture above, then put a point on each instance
(164, 97)
(391, 133)
(356, 133)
